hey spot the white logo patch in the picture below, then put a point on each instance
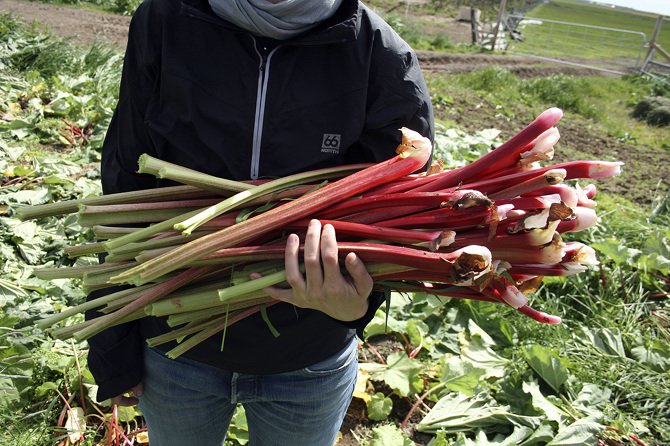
(331, 143)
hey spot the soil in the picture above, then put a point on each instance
(644, 166)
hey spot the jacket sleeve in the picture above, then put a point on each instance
(115, 355)
(398, 97)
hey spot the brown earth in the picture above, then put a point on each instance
(82, 26)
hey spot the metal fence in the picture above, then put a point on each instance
(613, 50)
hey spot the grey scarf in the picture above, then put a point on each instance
(281, 20)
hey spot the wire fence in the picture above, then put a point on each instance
(614, 50)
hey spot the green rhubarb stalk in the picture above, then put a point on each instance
(248, 301)
(145, 233)
(189, 329)
(71, 206)
(84, 249)
(232, 293)
(74, 331)
(413, 153)
(74, 272)
(98, 215)
(89, 305)
(94, 280)
(165, 170)
(224, 322)
(107, 232)
(242, 198)
(191, 301)
(131, 250)
(147, 297)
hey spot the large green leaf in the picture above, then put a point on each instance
(400, 373)
(456, 412)
(548, 365)
(544, 404)
(477, 350)
(607, 340)
(582, 432)
(389, 435)
(460, 376)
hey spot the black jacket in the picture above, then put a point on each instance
(200, 92)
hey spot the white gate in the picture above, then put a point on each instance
(613, 50)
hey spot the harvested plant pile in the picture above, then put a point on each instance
(490, 230)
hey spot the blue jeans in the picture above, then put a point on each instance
(187, 403)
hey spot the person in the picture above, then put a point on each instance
(254, 89)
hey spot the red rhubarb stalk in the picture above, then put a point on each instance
(413, 153)
(504, 155)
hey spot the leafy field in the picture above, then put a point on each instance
(433, 371)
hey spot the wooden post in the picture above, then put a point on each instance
(474, 25)
(652, 43)
(501, 11)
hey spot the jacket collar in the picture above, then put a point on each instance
(343, 26)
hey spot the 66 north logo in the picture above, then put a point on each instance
(331, 143)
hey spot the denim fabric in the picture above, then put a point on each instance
(186, 403)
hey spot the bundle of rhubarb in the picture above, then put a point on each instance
(490, 230)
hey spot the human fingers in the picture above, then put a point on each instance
(360, 277)
(312, 258)
(292, 264)
(332, 277)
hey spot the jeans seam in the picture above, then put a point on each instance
(233, 388)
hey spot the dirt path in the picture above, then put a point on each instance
(85, 27)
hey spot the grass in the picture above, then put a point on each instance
(577, 11)
(607, 102)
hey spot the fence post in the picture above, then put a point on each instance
(653, 46)
(501, 11)
(474, 25)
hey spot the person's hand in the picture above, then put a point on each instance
(324, 287)
(123, 400)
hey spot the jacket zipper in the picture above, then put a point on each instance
(261, 96)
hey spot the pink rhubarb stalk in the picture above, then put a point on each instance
(503, 156)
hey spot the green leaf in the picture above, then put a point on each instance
(400, 373)
(541, 436)
(417, 331)
(592, 399)
(544, 404)
(656, 355)
(128, 413)
(380, 325)
(476, 350)
(456, 412)
(581, 432)
(46, 388)
(460, 376)
(389, 436)
(607, 340)
(616, 251)
(29, 197)
(548, 365)
(379, 407)
(238, 429)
